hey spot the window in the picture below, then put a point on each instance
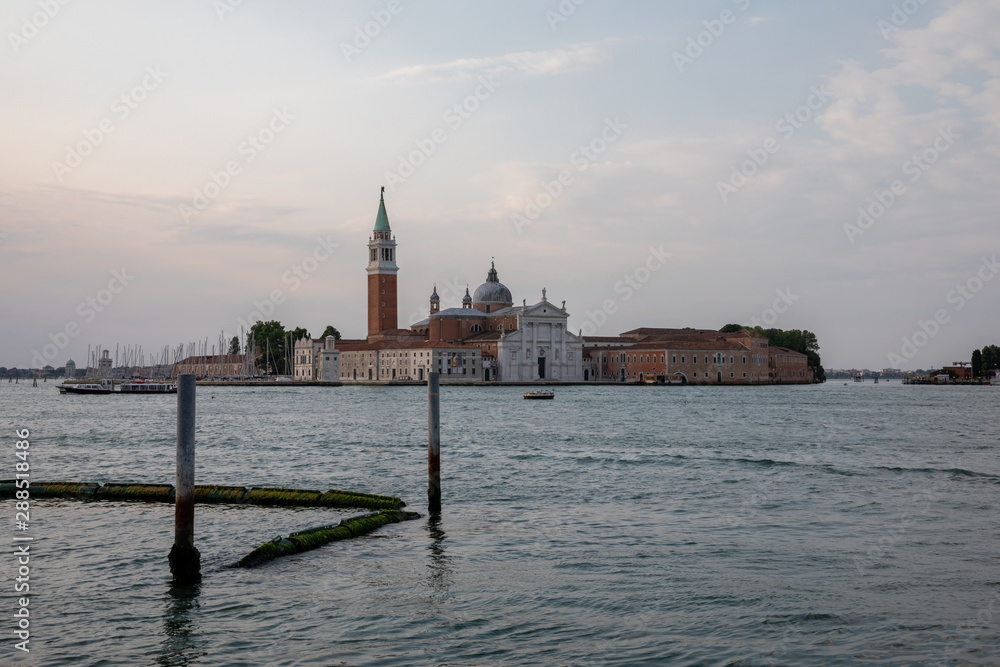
(682, 359)
(674, 360)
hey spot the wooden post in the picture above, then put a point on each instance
(185, 560)
(433, 444)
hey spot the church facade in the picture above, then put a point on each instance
(519, 343)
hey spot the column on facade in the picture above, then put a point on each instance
(533, 362)
(565, 361)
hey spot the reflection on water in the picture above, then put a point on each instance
(179, 646)
(439, 562)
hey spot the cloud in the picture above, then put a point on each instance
(953, 59)
(525, 63)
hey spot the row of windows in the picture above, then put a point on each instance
(638, 358)
(387, 255)
(541, 352)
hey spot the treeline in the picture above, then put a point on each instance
(800, 340)
(985, 361)
(277, 344)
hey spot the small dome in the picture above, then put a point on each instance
(493, 292)
(71, 362)
(434, 294)
(467, 298)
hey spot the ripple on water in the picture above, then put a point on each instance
(773, 525)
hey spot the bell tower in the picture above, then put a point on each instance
(382, 272)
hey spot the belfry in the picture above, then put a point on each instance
(382, 270)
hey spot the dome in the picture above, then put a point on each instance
(493, 292)
(434, 294)
(466, 298)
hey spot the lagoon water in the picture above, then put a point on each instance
(826, 525)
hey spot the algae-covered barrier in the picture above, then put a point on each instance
(313, 538)
(237, 495)
(150, 492)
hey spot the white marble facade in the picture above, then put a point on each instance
(541, 348)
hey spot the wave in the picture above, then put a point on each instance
(951, 471)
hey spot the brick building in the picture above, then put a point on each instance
(215, 366)
(692, 356)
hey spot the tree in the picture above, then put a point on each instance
(977, 364)
(269, 337)
(299, 333)
(802, 341)
(991, 358)
(330, 330)
(234, 345)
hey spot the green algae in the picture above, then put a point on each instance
(313, 538)
(147, 492)
(275, 496)
(219, 494)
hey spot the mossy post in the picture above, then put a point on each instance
(185, 560)
(433, 444)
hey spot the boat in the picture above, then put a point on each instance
(540, 394)
(102, 387)
(140, 387)
(671, 379)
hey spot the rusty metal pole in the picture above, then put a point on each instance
(185, 560)
(433, 444)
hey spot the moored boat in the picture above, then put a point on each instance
(139, 387)
(103, 387)
(540, 394)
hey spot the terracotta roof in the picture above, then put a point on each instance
(485, 336)
(459, 313)
(785, 350)
(676, 345)
(672, 333)
(401, 345)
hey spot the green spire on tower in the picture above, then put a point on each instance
(382, 220)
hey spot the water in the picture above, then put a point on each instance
(829, 525)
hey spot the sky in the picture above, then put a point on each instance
(170, 171)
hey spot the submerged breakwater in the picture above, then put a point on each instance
(314, 538)
(205, 494)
